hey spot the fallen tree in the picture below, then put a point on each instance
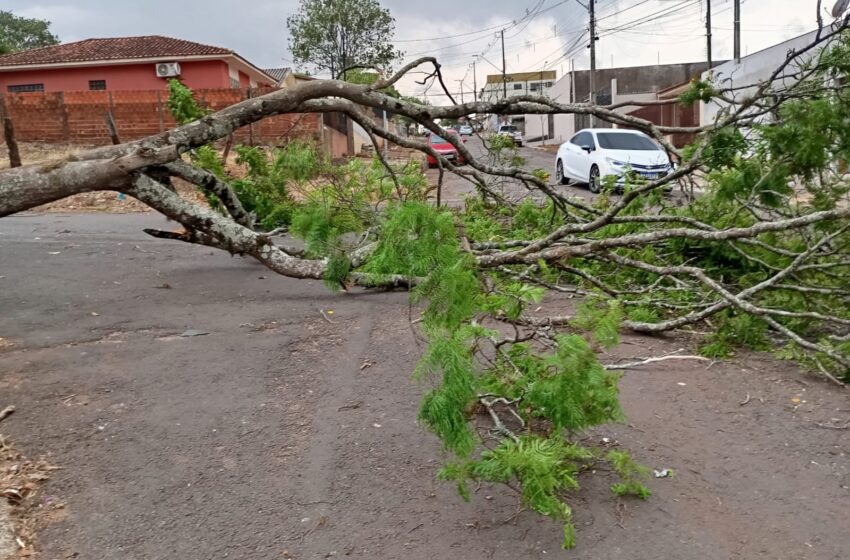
(757, 249)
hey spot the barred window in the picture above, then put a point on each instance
(26, 88)
(97, 84)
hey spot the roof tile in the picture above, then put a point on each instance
(118, 48)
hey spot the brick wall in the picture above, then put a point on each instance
(78, 117)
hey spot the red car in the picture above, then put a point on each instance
(445, 149)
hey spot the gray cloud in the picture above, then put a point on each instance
(256, 28)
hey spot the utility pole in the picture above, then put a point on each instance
(737, 30)
(593, 38)
(708, 31)
(573, 82)
(474, 83)
(504, 69)
(461, 90)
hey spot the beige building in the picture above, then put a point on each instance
(520, 83)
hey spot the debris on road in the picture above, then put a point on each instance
(325, 315)
(6, 412)
(663, 473)
(193, 332)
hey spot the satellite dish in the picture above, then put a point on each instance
(840, 7)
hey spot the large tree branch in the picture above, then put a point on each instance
(210, 182)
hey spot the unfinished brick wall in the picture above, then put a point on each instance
(78, 117)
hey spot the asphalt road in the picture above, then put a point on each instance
(282, 426)
(456, 188)
(287, 431)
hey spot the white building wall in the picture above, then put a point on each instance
(494, 92)
(751, 70)
(535, 126)
(565, 124)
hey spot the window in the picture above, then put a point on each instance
(438, 139)
(517, 86)
(234, 83)
(583, 139)
(626, 141)
(97, 84)
(26, 88)
(534, 86)
(550, 84)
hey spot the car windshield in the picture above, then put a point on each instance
(625, 141)
(438, 139)
(508, 129)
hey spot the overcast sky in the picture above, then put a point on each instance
(673, 30)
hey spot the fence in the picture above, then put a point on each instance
(79, 117)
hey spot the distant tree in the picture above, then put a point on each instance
(336, 35)
(20, 33)
(366, 77)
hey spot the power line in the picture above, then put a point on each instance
(653, 17)
(534, 13)
(506, 25)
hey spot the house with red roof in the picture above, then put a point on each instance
(128, 63)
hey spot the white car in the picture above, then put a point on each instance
(465, 130)
(511, 131)
(595, 153)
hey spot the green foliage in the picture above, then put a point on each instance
(500, 142)
(264, 190)
(602, 319)
(416, 239)
(643, 314)
(206, 157)
(367, 78)
(182, 104)
(445, 410)
(21, 33)
(336, 35)
(722, 148)
(699, 90)
(337, 271)
(509, 299)
(317, 226)
(566, 389)
(570, 388)
(631, 475)
(543, 468)
(735, 330)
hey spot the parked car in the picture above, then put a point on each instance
(595, 153)
(512, 132)
(466, 130)
(445, 148)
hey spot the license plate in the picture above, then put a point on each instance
(651, 176)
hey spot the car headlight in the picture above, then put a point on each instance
(615, 163)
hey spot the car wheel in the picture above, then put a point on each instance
(559, 174)
(593, 182)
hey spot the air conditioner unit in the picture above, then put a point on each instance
(168, 69)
